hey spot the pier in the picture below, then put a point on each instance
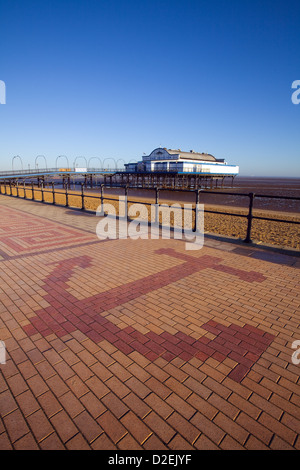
(140, 179)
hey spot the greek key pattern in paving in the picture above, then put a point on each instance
(24, 234)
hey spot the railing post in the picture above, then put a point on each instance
(24, 189)
(17, 189)
(10, 188)
(53, 194)
(42, 191)
(196, 210)
(32, 191)
(156, 205)
(250, 217)
(126, 200)
(82, 196)
(67, 196)
(101, 196)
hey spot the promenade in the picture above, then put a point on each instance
(139, 344)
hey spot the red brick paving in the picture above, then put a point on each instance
(137, 344)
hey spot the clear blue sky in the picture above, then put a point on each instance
(118, 78)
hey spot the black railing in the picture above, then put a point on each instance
(82, 195)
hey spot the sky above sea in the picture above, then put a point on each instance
(100, 79)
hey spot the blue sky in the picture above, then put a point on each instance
(116, 79)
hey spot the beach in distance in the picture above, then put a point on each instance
(234, 207)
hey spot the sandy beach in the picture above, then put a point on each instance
(263, 231)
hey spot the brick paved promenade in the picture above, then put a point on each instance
(140, 344)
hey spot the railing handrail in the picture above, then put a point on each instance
(57, 170)
(249, 216)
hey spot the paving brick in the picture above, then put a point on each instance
(136, 426)
(180, 389)
(231, 428)
(3, 384)
(49, 403)
(52, 442)
(255, 444)
(129, 443)
(179, 443)
(57, 385)
(180, 405)
(27, 403)
(137, 405)
(203, 443)
(208, 428)
(266, 405)
(27, 369)
(159, 373)
(278, 428)
(202, 405)
(45, 370)
(88, 426)
(118, 370)
(115, 405)
(223, 405)
(154, 443)
(40, 425)
(15, 425)
(258, 430)
(198, 388)
(160, 427)
(285, 405)
(117, 387)
(183, 427)
(160, 405)
(17, 384)
(244, 405)
(229, 443)
(279, 444)
(276, 388)
(291, 422)
(7, 403)
(112, 427)
(5, 443)
(100, 443)
(64, 426)
(26, 443)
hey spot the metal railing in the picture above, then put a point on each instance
(59, 171)
(82, 195)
